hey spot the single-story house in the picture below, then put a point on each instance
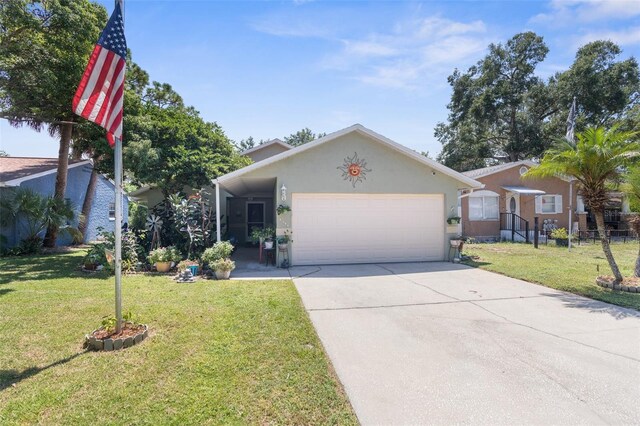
(508, 202)
(39, 174)
(355, 196)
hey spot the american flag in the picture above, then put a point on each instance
(99, 97)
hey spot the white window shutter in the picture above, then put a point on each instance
(538, 204)
(558, 203)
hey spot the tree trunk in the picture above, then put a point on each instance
(88, 201)
(61, 178)
(599, 214)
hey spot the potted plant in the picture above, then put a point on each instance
(163, 257)
(188, 264)
(561, 236)
(282, 208)
(91, 261)
(284, 240)
(453, 220)
(223, 268)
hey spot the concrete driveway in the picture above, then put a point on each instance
(438, 343)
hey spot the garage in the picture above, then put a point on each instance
(367, 228)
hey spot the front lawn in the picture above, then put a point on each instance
(557, 267)
(218, 352)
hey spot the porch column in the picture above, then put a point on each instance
(218, 236)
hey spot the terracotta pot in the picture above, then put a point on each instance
(283, 246)
(163, 266)
(223, 275)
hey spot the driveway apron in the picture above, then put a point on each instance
(439, 343)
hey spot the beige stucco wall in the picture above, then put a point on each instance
(511, 177)
(266, 152)
(316, 171)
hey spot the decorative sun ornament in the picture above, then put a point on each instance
(354, 169)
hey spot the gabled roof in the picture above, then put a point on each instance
(358, 128)
(486, 171)
(265, 145)
(15, 170)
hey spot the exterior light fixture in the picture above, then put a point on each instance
(283, 193)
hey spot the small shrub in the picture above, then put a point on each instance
(164, 254)
(559, 234)
(220, 250)
(223, 265)
(130, 250)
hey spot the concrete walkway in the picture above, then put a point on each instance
(437, 343)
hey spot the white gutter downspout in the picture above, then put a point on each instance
(218, 235)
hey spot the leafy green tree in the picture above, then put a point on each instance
(44, 48)
(34, 213)
(596, 159)
(607, 90)
(302, 136)
(497, 107)
(3, 153)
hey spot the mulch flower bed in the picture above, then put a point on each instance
(630, 284)
(104, 340)
(128, 330)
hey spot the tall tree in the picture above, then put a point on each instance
(170, 145)
(302, 136)
(246, 144)
(497, 106)
(44, 48)
(596, 159)
(607, 89)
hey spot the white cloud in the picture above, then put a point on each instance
(412, 51)
(625, 37)
(568, 12)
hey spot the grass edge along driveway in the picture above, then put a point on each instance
(558, 268)
(219, 352)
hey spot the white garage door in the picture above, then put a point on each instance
(367, 228)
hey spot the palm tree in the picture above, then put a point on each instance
(631, 188)
(34, 213)
(598, 157)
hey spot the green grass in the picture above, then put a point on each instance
(219, 352)
(556, 267)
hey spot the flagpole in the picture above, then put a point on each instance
(118, 224)
(118, 231)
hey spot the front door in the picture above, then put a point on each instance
(513, 203)
(255, 216)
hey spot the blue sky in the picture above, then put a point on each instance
(267, 69)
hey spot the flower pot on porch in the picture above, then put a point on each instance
(163, 266)
(268, 245)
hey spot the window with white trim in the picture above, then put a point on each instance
(483, 208)
(549, 204)
(112, 211)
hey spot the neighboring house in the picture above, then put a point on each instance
(508, 199)
(39, 174)
(355, 197)
(266, 150)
